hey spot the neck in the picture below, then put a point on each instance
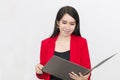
(63, 38)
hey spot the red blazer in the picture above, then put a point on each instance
(78, 53)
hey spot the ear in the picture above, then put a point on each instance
(57, 22)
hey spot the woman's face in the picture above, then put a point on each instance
(66, 25)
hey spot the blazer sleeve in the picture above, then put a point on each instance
(43, 49)
(85, 58)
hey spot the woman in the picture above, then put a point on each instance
(66, 42)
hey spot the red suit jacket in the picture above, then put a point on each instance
(78, 53)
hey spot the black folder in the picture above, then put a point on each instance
(61, 68)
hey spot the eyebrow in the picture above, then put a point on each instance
(66, 21)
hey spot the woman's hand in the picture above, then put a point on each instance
(38, 69)
(79, 77)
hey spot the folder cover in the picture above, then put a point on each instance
(61, 68)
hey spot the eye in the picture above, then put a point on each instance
(64, 22)
(72, 24)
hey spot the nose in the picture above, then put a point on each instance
(68, 26)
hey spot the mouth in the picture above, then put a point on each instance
(67, 31)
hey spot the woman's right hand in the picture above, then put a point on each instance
(38, 69)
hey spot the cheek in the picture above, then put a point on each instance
(61, 25)
(73, 28)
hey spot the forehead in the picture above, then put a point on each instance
(67, 18)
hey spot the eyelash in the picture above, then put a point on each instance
(72, 24)
(65, 23)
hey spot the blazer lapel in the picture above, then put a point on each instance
(51, 47)
(73, 48)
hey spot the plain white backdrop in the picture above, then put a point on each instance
(24, 23)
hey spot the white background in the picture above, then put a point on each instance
(24, 23)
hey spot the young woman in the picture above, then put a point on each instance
(66, 42)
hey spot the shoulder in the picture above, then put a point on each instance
(47, 40)
(80, 41)
(79, 38)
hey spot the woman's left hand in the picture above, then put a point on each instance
(79, 77)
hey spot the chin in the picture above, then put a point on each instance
(67, 35)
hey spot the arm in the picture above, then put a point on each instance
(42, 59)
(84, 61)
(85, 58)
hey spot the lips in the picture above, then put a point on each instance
(67, 31)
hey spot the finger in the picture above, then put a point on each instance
(37, 68)
(39, 71)
(87, 75)
(75, 74)
(72, 76)
(40, 66)
(81, 74)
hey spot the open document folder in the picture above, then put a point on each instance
(61, 68)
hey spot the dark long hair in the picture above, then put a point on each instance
(73, 13)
